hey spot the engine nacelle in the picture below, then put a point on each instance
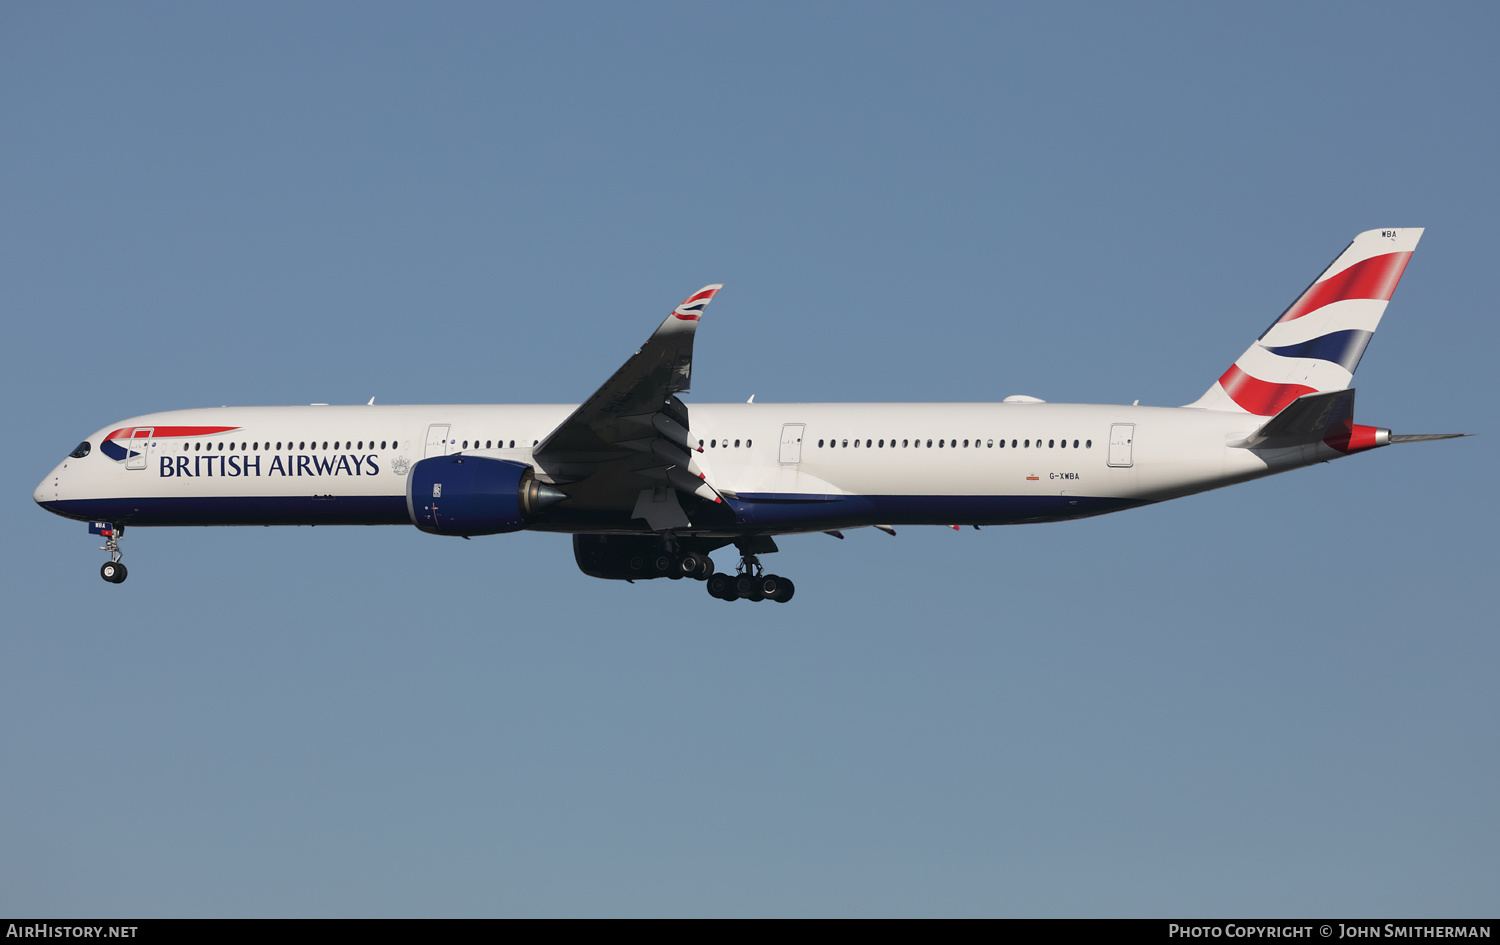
(472, 495)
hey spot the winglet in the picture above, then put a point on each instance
(692, 309)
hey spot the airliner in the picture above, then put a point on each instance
(649, 486)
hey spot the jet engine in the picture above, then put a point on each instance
(471, 495)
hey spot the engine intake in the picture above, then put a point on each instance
(472, 495)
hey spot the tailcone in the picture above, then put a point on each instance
(1356, 438)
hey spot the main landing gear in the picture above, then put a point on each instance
(112, 570)
(673, 561)
(751, 582)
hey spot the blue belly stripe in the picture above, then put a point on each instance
(240, 510)
(772, 510)
(753, 511)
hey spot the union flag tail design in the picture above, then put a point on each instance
(692, 309)
(1316, 343)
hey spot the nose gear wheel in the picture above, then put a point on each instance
(113, 570)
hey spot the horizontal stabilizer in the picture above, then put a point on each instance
(1310, 418)
(1424, 437)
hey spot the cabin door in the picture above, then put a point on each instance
(437, 440)
(1121, 444)
(140, 443)
(791, 443)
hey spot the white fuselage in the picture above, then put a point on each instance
(855, 464)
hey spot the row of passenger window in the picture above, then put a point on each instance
(954, 444)
(493, 445)
(255, 446)
(725, 445)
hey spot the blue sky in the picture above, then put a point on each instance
(1275, 700)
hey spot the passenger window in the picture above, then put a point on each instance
(1088, 444)
(736, 444)
(1049, 444)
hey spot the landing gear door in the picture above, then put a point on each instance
(791, 443)
(1121, 444)
(437, 440)
(140, 443)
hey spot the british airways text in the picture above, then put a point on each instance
(228, 467)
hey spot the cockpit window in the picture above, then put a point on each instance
(81, 451)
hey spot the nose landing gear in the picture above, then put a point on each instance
(112, 570)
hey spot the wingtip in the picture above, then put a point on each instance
(692, 308)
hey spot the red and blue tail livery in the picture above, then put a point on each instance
(650, 486)
(1317, 342)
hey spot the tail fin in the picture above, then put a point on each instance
(1316, 343)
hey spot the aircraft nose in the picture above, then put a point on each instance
(46, 491)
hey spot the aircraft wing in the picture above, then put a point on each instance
(632, 435)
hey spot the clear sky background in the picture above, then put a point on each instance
(1273, 700)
